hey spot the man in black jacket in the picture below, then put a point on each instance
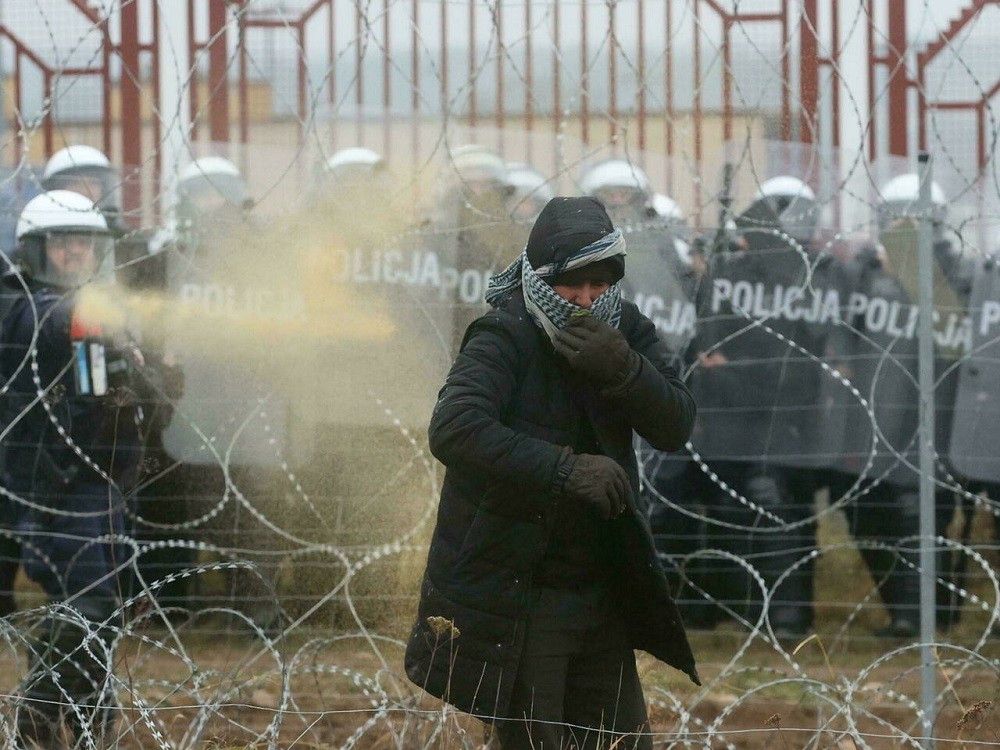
(542, 576)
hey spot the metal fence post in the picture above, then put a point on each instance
(928, 534)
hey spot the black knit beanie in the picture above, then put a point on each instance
(564, 226)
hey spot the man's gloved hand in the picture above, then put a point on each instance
(594, 349)
(600, 482)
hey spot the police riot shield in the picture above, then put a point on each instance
(285, 342)
(486, 239)
(661, 282)
(409, 289)
(975, 438)
(766, 310)
(876, 350)
(230, 413)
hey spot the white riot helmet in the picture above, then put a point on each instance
(63, 240)
(785, 203)
(479, 169)
(351, 162)
(666, 208)
(667, 212)
(618, 184)
(211, 183)
(350, 169)
(85, 170)
(531, 191)
(900, 198)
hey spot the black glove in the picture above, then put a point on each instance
(596, 350)
(600, 482)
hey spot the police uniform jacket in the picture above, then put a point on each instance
(507, 410)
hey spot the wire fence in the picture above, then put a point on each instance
(218, 493)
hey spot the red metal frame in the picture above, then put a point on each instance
(219, 115)
(978, 106)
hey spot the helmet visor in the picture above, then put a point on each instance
(101, 184)
(208, 193)
(68, 259)
(620, 196)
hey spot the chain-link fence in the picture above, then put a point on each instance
(218, 374)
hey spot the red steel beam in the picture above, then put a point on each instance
(934, 49)
(244, 88)
(953, 106)
(786, 76)
(301, 74)
(106, 88)
(193, 49)
(753, 17)
(269, 23)
(981, 155)
(130, 95)
(727, 83)
(697, 90)
(88, 11)
(898, 88)
(835, 66)
(157, 130)
(218, 79)
(809, 71)
(16, 153)
(873, 60)
(668, 86)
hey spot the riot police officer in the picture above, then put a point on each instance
(760, 329)
(475, 219)
(217, 457)
(72, 453)
(88, 171)
(623, 188)
(15, 191)
(878, 452)
(350, 170)
(531, 191)
(663, 284)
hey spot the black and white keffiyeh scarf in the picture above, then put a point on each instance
(550, 311)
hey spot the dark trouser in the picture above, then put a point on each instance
(960, 559)
(200, 491)
(71, 651)
(677, 502)
(163, 503)
(577, 685)
(67, 685)
(10, 555)
(886, 514)
(737, 529)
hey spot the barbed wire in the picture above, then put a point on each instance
(293, 491)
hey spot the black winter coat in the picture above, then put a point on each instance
(499, 427)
